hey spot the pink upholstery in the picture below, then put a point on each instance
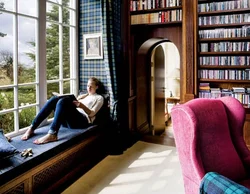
(209, 137)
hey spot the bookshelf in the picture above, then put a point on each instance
(149, 21)
(155, 12)
(223, 52)
(224, 48)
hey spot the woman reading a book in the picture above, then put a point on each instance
(76, 113)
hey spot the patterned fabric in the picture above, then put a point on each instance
(214, 183)
(94, 17)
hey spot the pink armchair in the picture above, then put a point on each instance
(209, 137)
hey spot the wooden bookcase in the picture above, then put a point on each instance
(223, 50)
(162, 20)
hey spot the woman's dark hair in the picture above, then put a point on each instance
(101, 88)
(94, 79)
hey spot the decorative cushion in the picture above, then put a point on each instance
(6, 149)
(214, 182)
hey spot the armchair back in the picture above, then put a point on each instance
(205, 131)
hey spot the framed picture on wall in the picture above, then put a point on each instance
(93, 46)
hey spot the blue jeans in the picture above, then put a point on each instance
(65, 113)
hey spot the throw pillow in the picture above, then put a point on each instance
(6, 148)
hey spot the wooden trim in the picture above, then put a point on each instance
(188, 39)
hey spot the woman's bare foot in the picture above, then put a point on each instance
(46, 139)
(28, 134)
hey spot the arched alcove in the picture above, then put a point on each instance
(144, 85)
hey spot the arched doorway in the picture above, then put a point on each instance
(150, 79)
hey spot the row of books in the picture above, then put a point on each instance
(243, 98)
(159, 17)
(241, 93)
(205, 87)
(227, 74)
(136, 5)
(224, 19)
(225, 46)
(226, 5)
(244, 31)
(225, 60)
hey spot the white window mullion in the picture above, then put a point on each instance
(74, 49)
(41, 56)
(60, 58)
(60, 49)
(15, 66)
(73, 67)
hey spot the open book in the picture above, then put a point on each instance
(72, 96)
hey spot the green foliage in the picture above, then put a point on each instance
(7, 120)
(26, 116)
(27, 74)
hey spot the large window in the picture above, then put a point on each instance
(38, 56)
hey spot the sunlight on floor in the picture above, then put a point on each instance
(145, 168)
(132, 177)
(146, 173)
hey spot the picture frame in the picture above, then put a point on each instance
(93, 46)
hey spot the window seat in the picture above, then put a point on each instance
(52, 164)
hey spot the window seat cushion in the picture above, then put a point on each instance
(16, 165)
(6, 149)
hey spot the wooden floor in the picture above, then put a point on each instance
(164, 138)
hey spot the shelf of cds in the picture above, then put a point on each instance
(224, 49)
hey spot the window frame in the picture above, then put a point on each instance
(41, 81)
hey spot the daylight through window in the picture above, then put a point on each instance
(37, 57)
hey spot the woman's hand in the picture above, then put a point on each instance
(76, 103)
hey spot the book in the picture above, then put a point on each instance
(72, 96)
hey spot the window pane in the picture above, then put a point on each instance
(7, 122)
(66, 53)
(52, 50)
(6, 49)
(6, 98)
(52, 87)
(66, 15)
(52, 12)
(72, 4)
(27, 7)
(66, 87)
(26, 116)
(66, 3)
(26, 95)
(26, 50)
(7, 5)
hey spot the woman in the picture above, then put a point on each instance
(77, 113)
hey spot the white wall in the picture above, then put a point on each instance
(172, 57)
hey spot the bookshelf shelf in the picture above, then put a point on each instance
(224, 67)
(224, 81)
(241, 53)
(234, 39)
(210, 1)
(225, 12)
(232, 25)
(154, 10)
(247, 109)
(157, 24)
